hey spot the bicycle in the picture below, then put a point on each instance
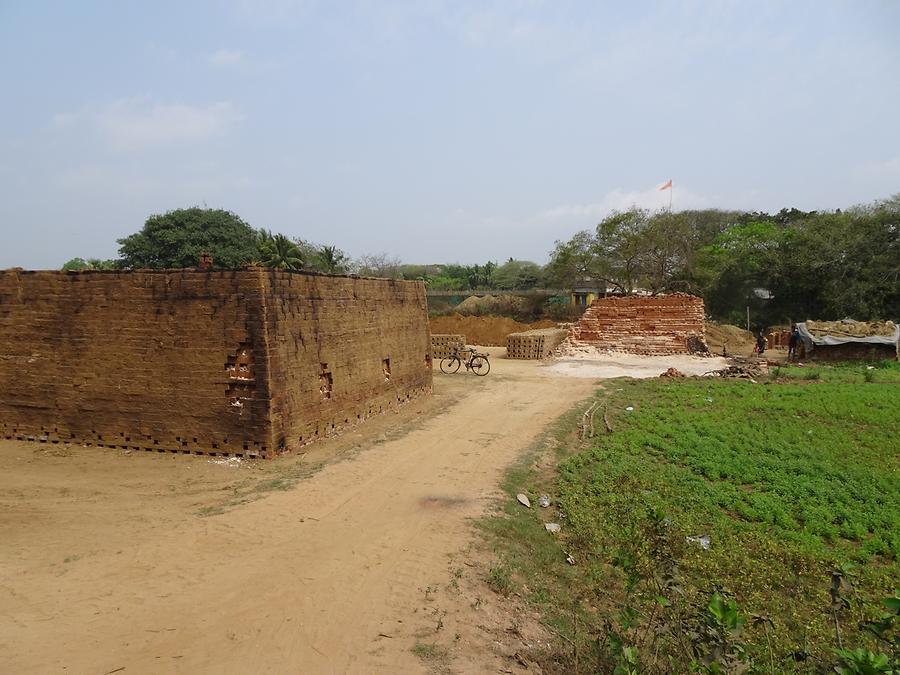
(477, 362)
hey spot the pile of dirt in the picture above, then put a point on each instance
(736, 340)
(491, 304)
(488, 331)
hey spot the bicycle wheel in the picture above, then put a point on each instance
(480, 365)
(450, 365)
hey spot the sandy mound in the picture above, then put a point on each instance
(484, 330)
(739, 341)
(491, 304)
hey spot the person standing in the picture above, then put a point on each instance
(760, 343)
(793, 341)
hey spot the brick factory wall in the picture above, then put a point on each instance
(217, 362)
(134, 359)
(662, 324)
(342, 349)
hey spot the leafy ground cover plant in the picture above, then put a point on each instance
(707, 527)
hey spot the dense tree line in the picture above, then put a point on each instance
(788, 266)
(177, 238)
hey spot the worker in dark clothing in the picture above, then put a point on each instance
(760, 343)
(793, 343)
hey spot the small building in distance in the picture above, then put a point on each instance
(585, 292)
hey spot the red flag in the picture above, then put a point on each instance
(667, 185)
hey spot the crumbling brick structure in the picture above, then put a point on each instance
(534, 344)
(649, 325)
(250, 362)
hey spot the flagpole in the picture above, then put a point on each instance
(671, 192)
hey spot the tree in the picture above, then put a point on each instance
(517, 275)
(177, 238)
(379, 265)
(331, 259)
(279, 252)
(740, 260)
(572, 261)
(77, 264)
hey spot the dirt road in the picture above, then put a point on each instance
(109, 562)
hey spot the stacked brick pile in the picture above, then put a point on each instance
(655, 325)
(534, 344)
(249, 362)
(442, 344)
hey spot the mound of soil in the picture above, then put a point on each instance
(490, 304)
(739, 341)
(489, 331)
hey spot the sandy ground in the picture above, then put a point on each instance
(341, 560)
(598, 365)
(357, 556)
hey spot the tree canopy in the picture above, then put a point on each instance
(78, 264)
(177, 238)
(788, 266)
(276, 250)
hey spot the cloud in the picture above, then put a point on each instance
(226, 57)
(619, 200)
(135, 124)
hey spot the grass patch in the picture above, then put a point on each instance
(500, 579)
(788, 479)
(429, 651)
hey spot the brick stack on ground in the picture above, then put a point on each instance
(243, 362)
(657, 325)
(534, 344)
(442, 344)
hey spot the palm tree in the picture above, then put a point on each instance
(279, 252)
(332, 259)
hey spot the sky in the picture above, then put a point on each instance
(434, 131)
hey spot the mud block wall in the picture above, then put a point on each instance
(854, 351)
(443, 343)
(655, 325)
(217, 362)
(534, 344)
(342, 349)
(135, 360)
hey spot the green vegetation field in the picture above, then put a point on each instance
(789, 479)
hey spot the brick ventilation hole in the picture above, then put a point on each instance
(241, 386)
(326, 382)
(386, 369)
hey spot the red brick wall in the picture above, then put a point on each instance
(640, 325)
(190, 361)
